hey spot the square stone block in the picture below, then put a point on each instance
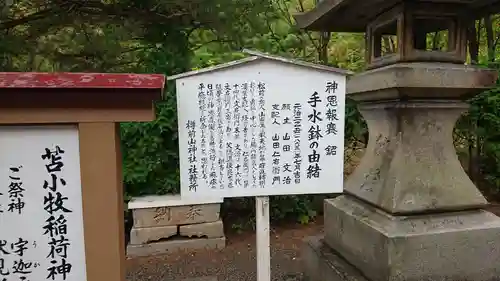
(172, 246)
(209, 229)
(446, 247)
(178, 215)
(143, 235)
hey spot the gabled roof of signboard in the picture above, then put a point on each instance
(255, 55)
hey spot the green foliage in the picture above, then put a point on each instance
(170, 37)
(355, 126)
(477, 133)
(484, 113)
(150, 150)
(150, 153)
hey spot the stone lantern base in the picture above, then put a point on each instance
(362, 243)
(410, 213)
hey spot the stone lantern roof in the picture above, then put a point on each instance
(355, 15)
(399, 31)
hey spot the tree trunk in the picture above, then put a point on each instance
(324, 40)
(488, 24)
(473, 41)
(323, 52)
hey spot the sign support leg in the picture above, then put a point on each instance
(263, 238)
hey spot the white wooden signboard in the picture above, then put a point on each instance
(41, 220)
(261, 127)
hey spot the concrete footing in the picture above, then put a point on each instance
(321, 263)
(172, 246)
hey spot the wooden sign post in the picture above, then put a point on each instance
(61, 195)
(261, 126)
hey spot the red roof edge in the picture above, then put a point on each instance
(81, 80)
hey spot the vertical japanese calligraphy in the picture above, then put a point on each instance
(42, 204)
(202, 103)
(237, 117)
(56, 223)
(233, 136)
(262, 134)
(314, 136)
(220, 135)
(211, 129)
(233, 122)
(261, 131)
(297, 133)
(229, 130)
(16, 191)
(253, 142)
(331, 115)
(286, 169)
(245, 104)
(21, 267)
(192, 148)
(275, 115)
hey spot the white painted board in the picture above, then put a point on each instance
(39, 238)
(252, 130)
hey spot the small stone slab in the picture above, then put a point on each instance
(209, 229)
(167, 247)
(155, 201)
(143, 235)
(164, 216)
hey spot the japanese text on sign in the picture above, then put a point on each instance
(41, 193)
(254, 137)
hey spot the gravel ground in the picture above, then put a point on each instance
(234, 263)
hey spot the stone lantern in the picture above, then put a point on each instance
(409, 211)
(411, 32)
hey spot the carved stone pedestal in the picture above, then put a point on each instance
(410, 212)
(410, 164)
(165, 224)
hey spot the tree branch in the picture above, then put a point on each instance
(95, 8)
(32, 17)
(194, 48)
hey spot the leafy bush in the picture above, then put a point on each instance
(485, 115)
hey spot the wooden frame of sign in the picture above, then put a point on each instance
(94, 104)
